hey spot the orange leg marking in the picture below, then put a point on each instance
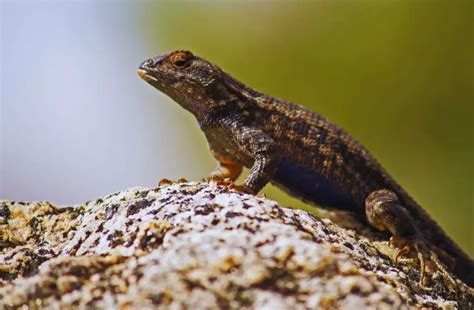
(226, 169)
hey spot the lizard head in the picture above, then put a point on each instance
(185, 78)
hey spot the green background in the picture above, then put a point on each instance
(397, 75)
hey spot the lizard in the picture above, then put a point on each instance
(302, 153)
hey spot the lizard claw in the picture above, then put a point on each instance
(215, 179)
(403, 251)
(421, 260)
(228, 183)
(169, 182)
(400, 243)
(422, 248)
(240, 188)
(165, 181)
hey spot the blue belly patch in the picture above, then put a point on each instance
(312, 187)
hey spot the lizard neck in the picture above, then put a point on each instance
(224, 98)
(237, 89)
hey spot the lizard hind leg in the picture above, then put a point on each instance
(384, 212)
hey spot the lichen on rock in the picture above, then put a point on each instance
(197, 245)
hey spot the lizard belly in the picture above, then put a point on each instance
(312, 187)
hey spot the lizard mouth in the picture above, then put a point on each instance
(144, 75)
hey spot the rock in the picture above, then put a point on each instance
(198, 245)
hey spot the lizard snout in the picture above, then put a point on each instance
(147, 64)
(146, 70)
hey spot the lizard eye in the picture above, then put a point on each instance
(181, 59)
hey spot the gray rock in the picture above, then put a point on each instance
(200, 246)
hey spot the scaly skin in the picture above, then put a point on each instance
(299, 151)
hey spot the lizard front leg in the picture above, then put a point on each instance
(264, 152)
(384, 212)
(248, 145)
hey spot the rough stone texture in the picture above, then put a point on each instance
(199, 246)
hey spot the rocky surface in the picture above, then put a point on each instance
(199, 246)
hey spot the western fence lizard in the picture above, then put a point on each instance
(302, 153)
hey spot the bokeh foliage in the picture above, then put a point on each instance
(396, 74)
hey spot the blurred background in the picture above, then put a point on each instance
(77, 123)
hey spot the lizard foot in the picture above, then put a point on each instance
(384, 212)
(427, 259)
(169, 182)
(227, 182)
